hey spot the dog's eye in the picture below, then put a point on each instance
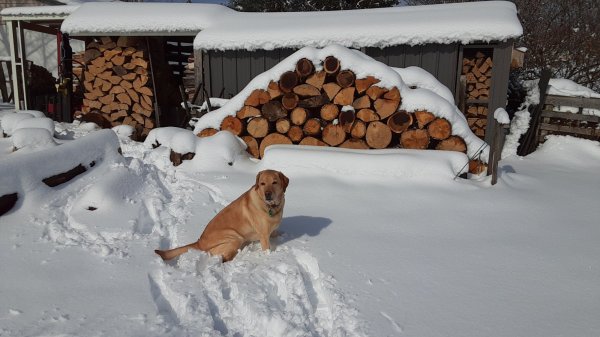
(274, 183)
(262, 184)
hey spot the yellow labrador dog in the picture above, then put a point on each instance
(254, 216)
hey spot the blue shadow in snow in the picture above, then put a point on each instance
(297, 226)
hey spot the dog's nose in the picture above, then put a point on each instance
(268, 196)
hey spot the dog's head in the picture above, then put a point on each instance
(271, 186)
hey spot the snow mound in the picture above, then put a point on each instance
(281, 293)
(401, 163)
(22, 173)
(123, 131)
(223, 148)
(36, 123)
(362, 66)
(32, 138)
(576, 151)
(421, 78)
(9, 121)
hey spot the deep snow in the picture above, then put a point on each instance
(361, 255)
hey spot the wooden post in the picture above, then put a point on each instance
(496, 150)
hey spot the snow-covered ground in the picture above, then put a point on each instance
(405, 251)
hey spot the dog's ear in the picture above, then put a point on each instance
(257, 179)
(284, 181)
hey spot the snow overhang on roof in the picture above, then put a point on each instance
(413, 25)
(37, 13)
(142, 19)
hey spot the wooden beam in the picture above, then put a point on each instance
(39, 28)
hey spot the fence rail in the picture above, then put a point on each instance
(566, 123)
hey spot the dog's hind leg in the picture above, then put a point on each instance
(175, 252)
(227, 250)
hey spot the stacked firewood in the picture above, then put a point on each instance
(477, 70)
(331, 107)
(117, 83)
(477, 119)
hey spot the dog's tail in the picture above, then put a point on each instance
(175, 252)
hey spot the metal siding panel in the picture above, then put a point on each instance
(412, 56)
(229, 73)
(395, 56)
(257, 62)
(378, 54)
(244, 60)
(284, 53)
(216, 72)
(271, 58)
(447, 65)
(430, 58)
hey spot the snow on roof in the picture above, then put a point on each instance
(362, 66)
(118, 18)
(32, 11)
(382, 27)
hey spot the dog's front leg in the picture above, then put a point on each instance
(265, 243)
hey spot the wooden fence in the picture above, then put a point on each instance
(567, 123)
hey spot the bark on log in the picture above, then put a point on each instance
(329, 112)
(289, 100)
(306, 90)
(378, 135)
(7, 202)
(345, 78)
(252, 146)
(257, 98)
(258, 127)
(345, 96)
(288, 81)
(272, 139)
(423, 117)
(353, 143)
(298, 116)
(312, 127)
(178, 158)
(363, 84)
(273, 110)
(414, 139)
(314, 102)
(452, 143)
(439, 129)
(331, 65)
(233, 125)
(346, 118)
(399, 121)
(62, 178)
(304, 67)
(333, 134)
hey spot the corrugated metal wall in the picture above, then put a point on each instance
(441, 60)
(230, 71)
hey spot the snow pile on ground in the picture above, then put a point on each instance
(363, 66)
(32, 139)
(398, 163)
(360, 255)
